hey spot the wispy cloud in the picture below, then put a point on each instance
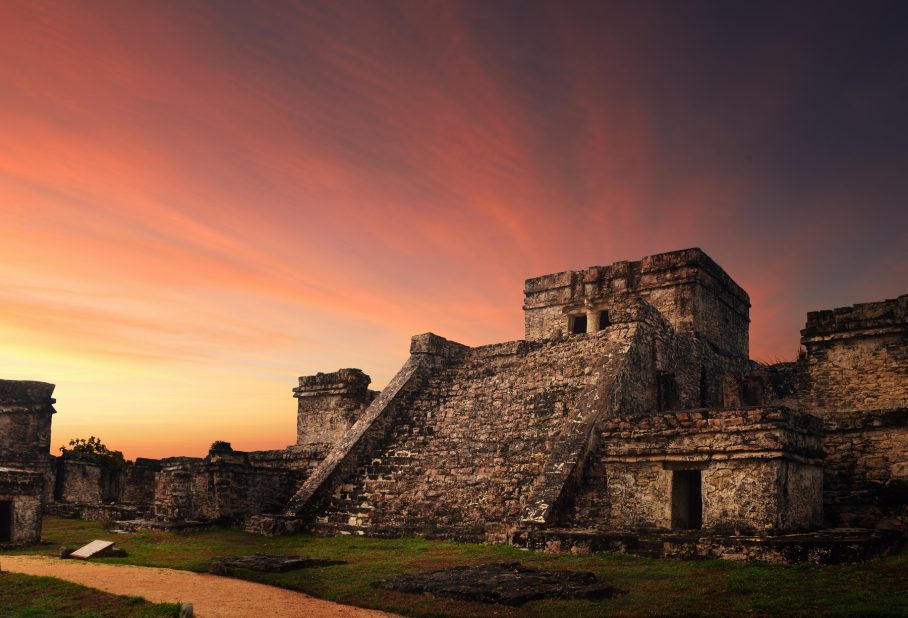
(200, 201)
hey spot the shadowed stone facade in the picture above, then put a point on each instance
(632, 408)
(26, 409)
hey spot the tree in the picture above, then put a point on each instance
(94, 450)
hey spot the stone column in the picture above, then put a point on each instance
(592, 321)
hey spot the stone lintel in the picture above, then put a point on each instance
(682, 460)
(715, 435)
(15, 480)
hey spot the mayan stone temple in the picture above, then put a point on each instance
(630, 418)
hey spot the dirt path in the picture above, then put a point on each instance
(211, 596)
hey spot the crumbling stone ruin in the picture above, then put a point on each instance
(26, 409)
(630, 417)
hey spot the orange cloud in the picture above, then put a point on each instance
(200, 202)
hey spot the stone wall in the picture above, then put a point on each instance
(79, 481)
(20, 506)
(866, 475)
(81, 485)
(225, 487)
(856, 378)
(857, 357)
(690, 290)
(779, 384)
(137, 482)
(761, 470)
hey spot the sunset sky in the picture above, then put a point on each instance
(201, 201)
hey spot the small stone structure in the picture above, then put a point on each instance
(26, 409)
(329, 404)
(630, 417)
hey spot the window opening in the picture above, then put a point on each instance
(603, 320)
(577, 324)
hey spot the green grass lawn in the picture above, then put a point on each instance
(24, 596)
(655, 587)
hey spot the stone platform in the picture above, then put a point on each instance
(828, 546)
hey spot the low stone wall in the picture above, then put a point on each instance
(89, 486)
(820, 547)
(224, 487)
(137, 482)
(84, 482)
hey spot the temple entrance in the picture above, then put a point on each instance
(687, 500)
(6, 521)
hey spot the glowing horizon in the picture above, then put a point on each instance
(203, 201)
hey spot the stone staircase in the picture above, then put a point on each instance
(356, 501)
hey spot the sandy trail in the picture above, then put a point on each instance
(211, 596)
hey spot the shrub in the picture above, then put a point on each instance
(94, 450)
(221, 445)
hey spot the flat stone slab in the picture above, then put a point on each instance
(92, 549)
(507, 583)
(273, 563)
(137, 525)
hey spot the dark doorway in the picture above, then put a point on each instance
(603, 320)
(6, 521)
(667, 391)
(687, 500)
(577, 324)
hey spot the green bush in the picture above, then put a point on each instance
(94, 450)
